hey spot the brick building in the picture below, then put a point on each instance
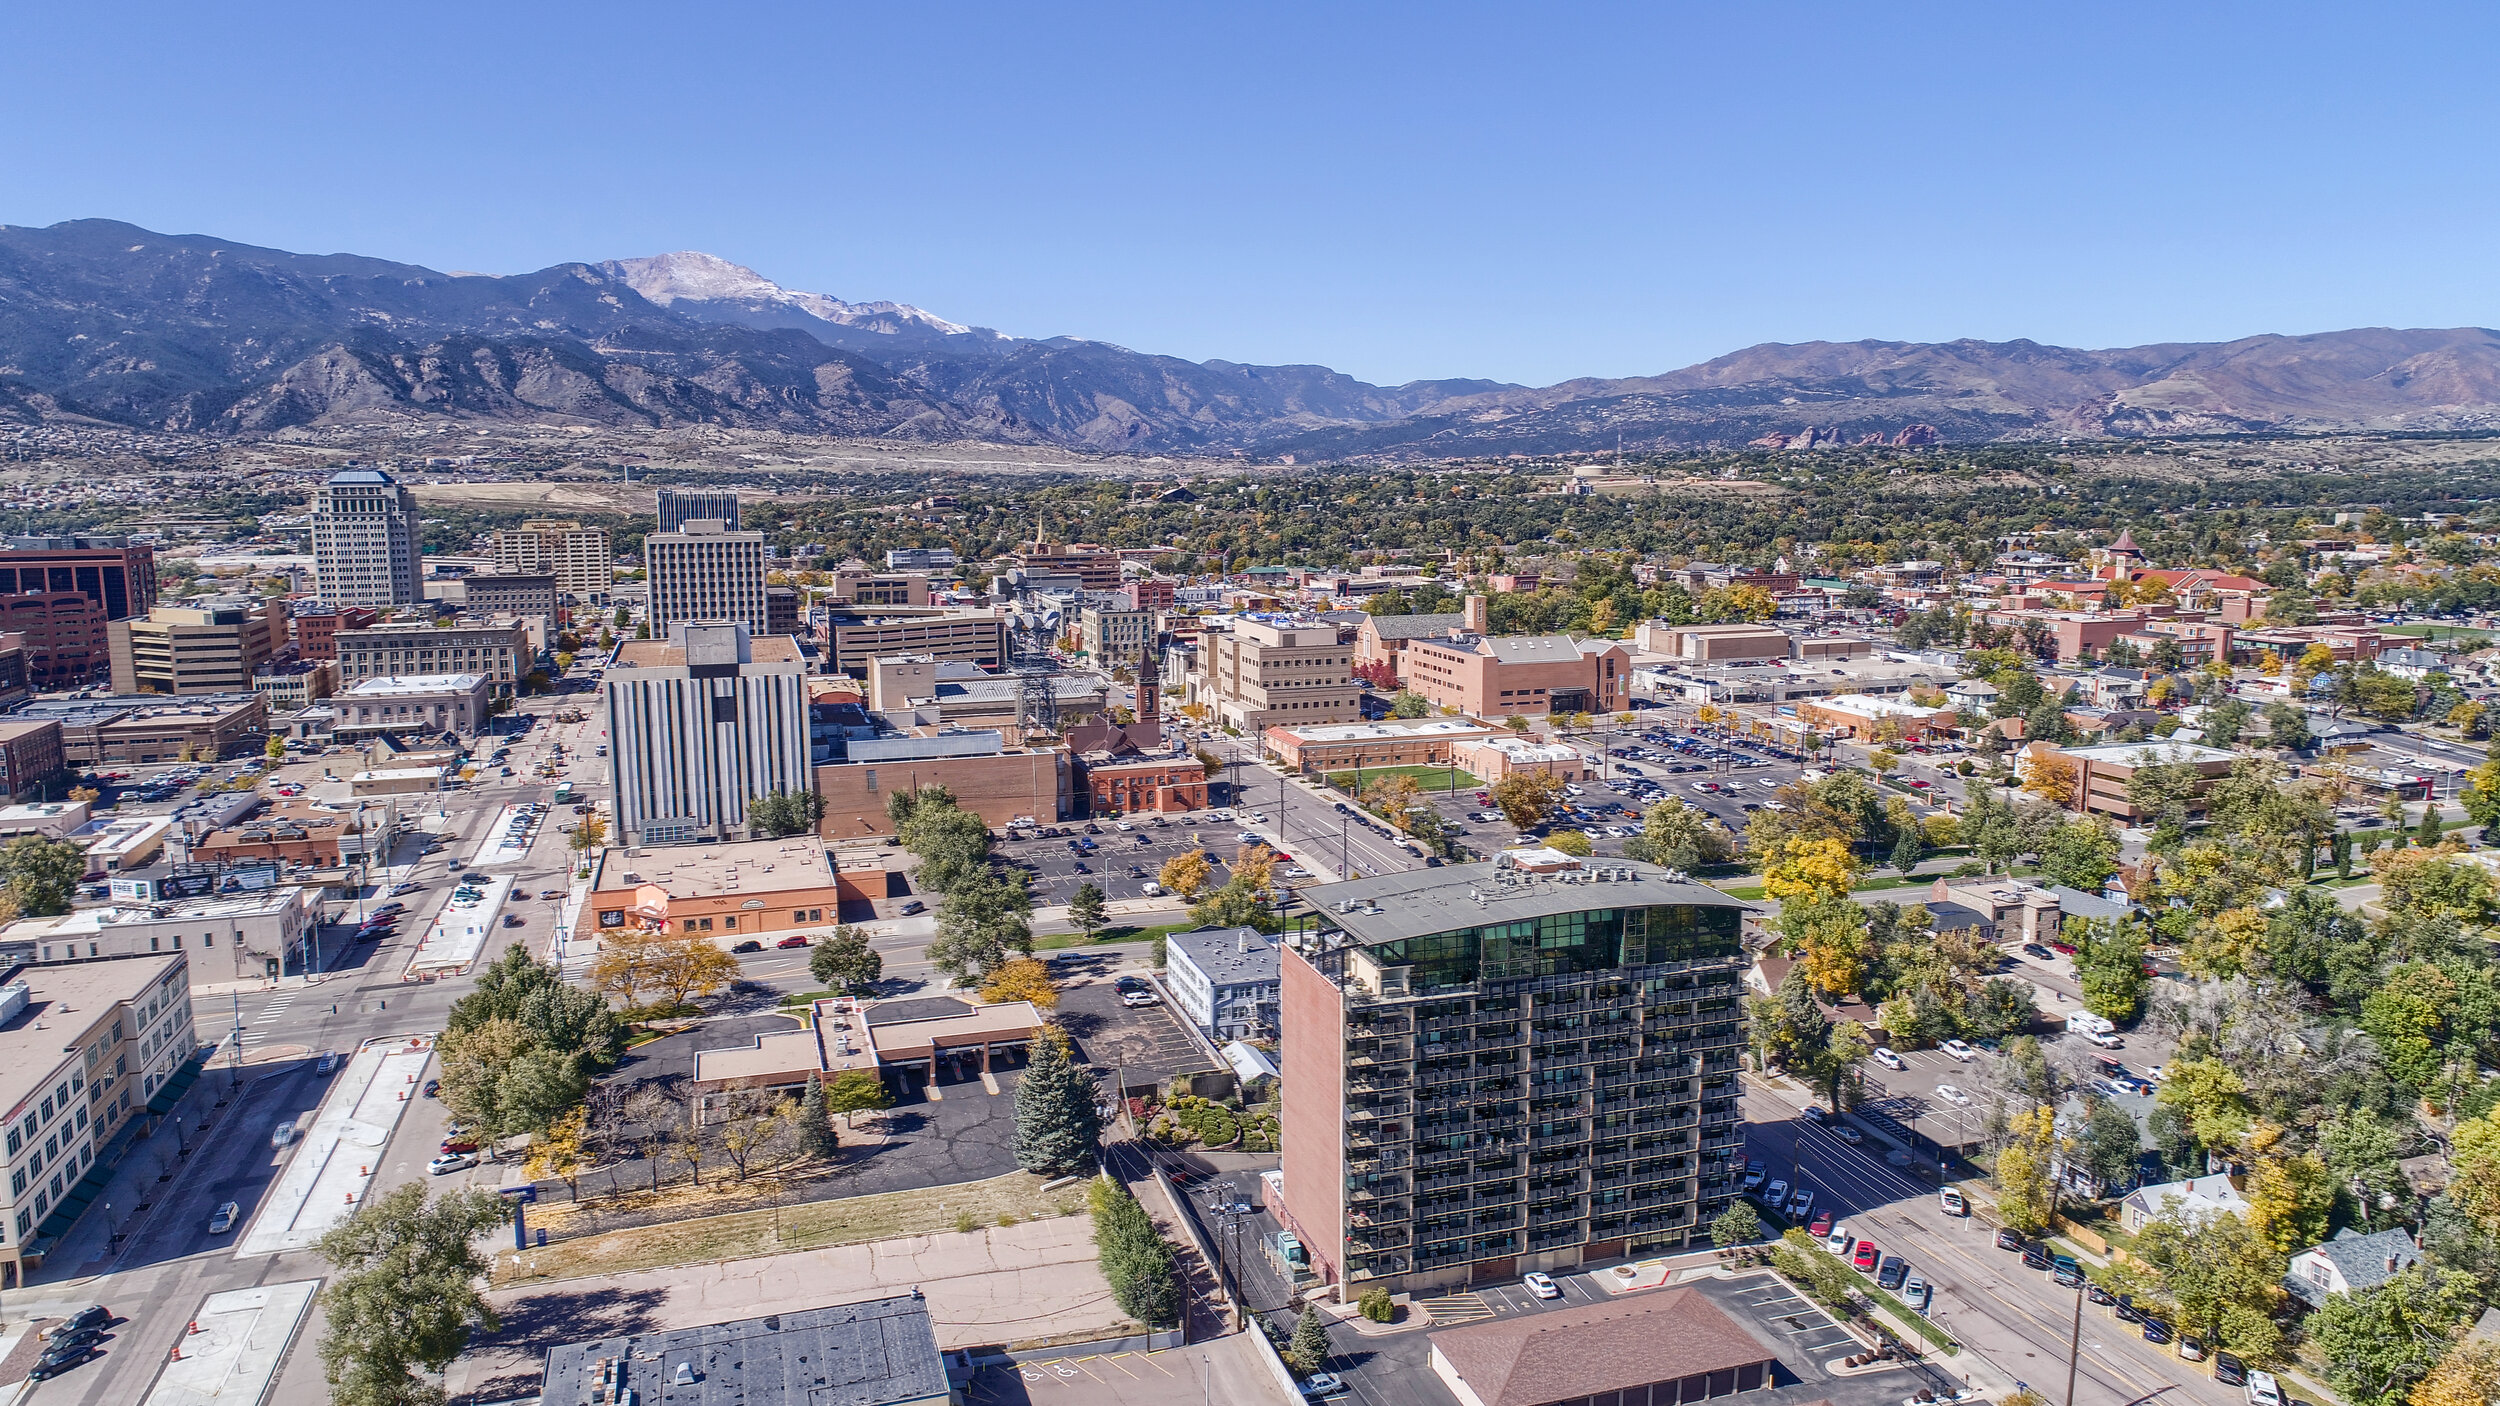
(1525, 675)
(30, 755)
(60, 592)
(316, 627)
(1328, 747)
(1130, 785)
(988, 779)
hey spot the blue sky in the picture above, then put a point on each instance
(1521, 192)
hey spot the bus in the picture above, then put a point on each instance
(564, 792)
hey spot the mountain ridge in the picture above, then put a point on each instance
(107, 320)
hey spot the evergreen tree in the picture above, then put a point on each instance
(1057, 1123)
(814, 1121)
(1308, 1352)
(1086, 911)
(1910, 849)
(1136, 1260)
(2343, 854)
(2427, 833)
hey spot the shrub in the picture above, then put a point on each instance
(966, 1222)
(1376, 1304)
(1206, 1120)
(1135, 1258)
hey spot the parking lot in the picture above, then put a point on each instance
(1635, 770)
(1396, 1369)
(1140, 1044)
(1123, 861)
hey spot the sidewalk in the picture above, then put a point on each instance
(130, 1197)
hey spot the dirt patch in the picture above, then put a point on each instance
(770, 1230)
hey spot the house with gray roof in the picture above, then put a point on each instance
(2349, 1262)
(1226, 980)
(882, 1352)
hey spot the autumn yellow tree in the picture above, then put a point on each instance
(1186, 874)
(1254, 868)
(1392, 797)
(2289, 1201)
(2468, 1376)
(2026, 1184)
(2051, 777)
(1022, 979)
(1810, 868)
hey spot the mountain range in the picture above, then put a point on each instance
(108, 321)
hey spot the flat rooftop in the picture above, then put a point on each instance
(705, 870)
(1382, 731)
(406, 685)
(1392, 907)
(2163, 752)
(64, 1001)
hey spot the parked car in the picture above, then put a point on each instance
(1894, 1271)
(2191, 1347)
(1959, 1051)
(1916, 1293)
(433, 1088)
(1822, 1227)
(1320, 1384)
(1848, 1135)
(2035, 1255)
(514, 920)
(551, 893)
(1866, 1256)
(94, 1315)
(1800, 1202)
(750, 945)
(451, 1162)
(2034, 949)
(794, 940)
(1141, 996)
(1951, 1203)
(1885, 1057)
(1775, 1195)
(2107, 1040)
(225, 1218)
(2230, 1370)
(1953, 1095)
(2262, 1390)
(2156, 1331)
(1541, 1284)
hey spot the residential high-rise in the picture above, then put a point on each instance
(706, 571)
(679, 506)
(365, 537)
(577, 556)
(699, 725)
(212, 648)
(1493, 1068)
(61, 592)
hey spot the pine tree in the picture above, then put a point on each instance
(2427, 833)
(2343, 854)
(1308, 1352)
(1907, 854)
(1086, 911)
(814, 1122)
(1057, 1124)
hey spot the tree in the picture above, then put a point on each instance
(2468, 1376)
(1526, 798)
(1021, 979)
(561, 1152)
(2026, 1184)
(749, 1127)
(784, 813)
(1802, 868)
(1679, 836)
(589, 834)
(1737, 1225)
(2051, 777)
(1186, 874)
(2223, 1281)
(1085, 909)
(1910, 850)
(626, 965)
(1136, 1260)
(857, 1091)
(1409, 704)
(1308, 1352)
(405, 1295)
(811, 1121)
(1393, 797)
(952, 845)
(2290, 1199)
(2111, 1147)
(1572, 842)
(520, 1049)
(276, 750)
(1057, 1122)
(2379, 1342)
(843, 961)
(1239, 903)
(2209, 1098)
(2427, 833)
(687, 967)
(2109, 965)
(42, 875)
(981, 920)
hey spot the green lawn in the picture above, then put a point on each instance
(1869, 886)
(2439, 632)
(1118, 932)
(1431, 778)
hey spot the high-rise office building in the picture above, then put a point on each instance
(577, 556)
(365, 537)
(679, 506)
(706, 570)
(61, 592)
(699, 725)
(1493, 1068)
(211, 648)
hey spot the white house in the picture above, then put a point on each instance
(2197, 1197)
(1226, 980)
(2349, 1262)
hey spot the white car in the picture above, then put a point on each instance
(1960, 1051)
(1257, 817)
(1123, 825)
(2157, 1072)
(1541, 1284)
(1244, 837)
(1151, 889)
(1296, 871)
(1953, 1095)
(1839, 1241)
(1139, 996)
(225, 1218)
(1801, 1203)
(1951, 1203)
(1320, 1384)
(1915, 1293)
(1885, 1057)
(451, 1162)
(1776, 1195)
(2105, 1039)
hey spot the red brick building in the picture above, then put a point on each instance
(1127, 786)
(317, 632)
(29, 753)
(60, 591)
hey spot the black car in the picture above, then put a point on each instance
(2125, 1309)
(2156, 1331)
(2009, 1240)
(2229, 1370)
(72, 1344)
(2035, 1255)
(48, 1365)
(2097, 1294)
(1894, 1270)
(94, 1315)
(2033, 949)
(750, 945)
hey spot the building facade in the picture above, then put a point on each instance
(366, 537)
(1224, 980)
(578, 557)
(215, 648)
(699, 725)
(1138, 785)
(412, 705)
(499, 649)
(679, 506)
(706, 571)
(31, 755)
(988, 779)
(1501, 676)
(61, 592)
(1317, 751)
(316, 627)
(1262, 674)
(82, 1051)
(1494, 1068)
(1112, 637)
(138, 730)
(533, 598)
(853, 640)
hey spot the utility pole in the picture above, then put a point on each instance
(237, 1067)
(2074, 1343)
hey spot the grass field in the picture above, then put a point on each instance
(1431, 778)
(1116, 933)
(747, 1233)
(2464, 634)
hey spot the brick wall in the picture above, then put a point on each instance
(1313, 1124)
(997, 788)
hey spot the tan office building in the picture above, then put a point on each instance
(854, 641)
(497, 647)
(191, 649)
(705, 571)
(578, 557)
(1261, 675)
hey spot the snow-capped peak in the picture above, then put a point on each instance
(700, 277)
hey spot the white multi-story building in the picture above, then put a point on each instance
(699, 725)
(365, 536)
(706, 570)
(578, 557)
(679, 506)
(82, 1050)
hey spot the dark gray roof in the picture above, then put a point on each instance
(913, 749)
(2075, 903)
(1218, 952)
(1955, 917)
(361, 476)
(2361, 1259)
(926, 1008)
(1409, 627)
(859, 1354)
(1444, 900)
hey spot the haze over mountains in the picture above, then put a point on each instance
(106, 320)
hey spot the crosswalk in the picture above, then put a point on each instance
(277, 1007)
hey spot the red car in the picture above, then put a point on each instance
(459, 1144)
(1865, 1256)
(1822, 1227)
(791, 942)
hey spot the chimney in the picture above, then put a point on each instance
(1478, 622)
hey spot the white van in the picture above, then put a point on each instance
(2086, 1023)
(2262, 1391)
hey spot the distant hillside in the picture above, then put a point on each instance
(110, 321)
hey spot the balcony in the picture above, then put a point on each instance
(1373, 1191)
(1383, 1108)
(1382, 1080)
(1384, 1052)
